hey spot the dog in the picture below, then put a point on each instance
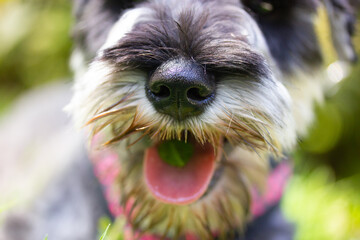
(224, 87)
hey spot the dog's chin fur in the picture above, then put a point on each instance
(223, 208)
(258, 112)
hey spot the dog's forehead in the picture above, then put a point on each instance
(280, 4)
(286, 25)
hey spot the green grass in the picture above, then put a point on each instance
(112, 230)
(104, 234)
(102, 237)
(322, 208)
(35, 45)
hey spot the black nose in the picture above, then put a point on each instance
(180, 88)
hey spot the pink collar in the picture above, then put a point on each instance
(107, 168)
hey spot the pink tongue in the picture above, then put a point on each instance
(179, 185)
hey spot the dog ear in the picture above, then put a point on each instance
(342, 18)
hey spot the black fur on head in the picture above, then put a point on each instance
(288, 29)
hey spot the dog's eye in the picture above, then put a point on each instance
(260, 7)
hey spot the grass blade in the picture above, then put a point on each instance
(104, 234)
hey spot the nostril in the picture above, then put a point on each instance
(161, 92)
(180, 88)
(196, 94)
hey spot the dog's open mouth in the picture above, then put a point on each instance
(181, 182)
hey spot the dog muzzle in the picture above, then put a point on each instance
(179, 186)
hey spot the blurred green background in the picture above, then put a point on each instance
(34, 45)
(323, 197)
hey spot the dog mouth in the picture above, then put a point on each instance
(181, 172)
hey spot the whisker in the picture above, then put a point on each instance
(230, 121)
(137, 140)
(249, 144)
(100, 127)
(205, 225)
(124, 110)
(171, 219)
(241, 127)
(126, 97)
